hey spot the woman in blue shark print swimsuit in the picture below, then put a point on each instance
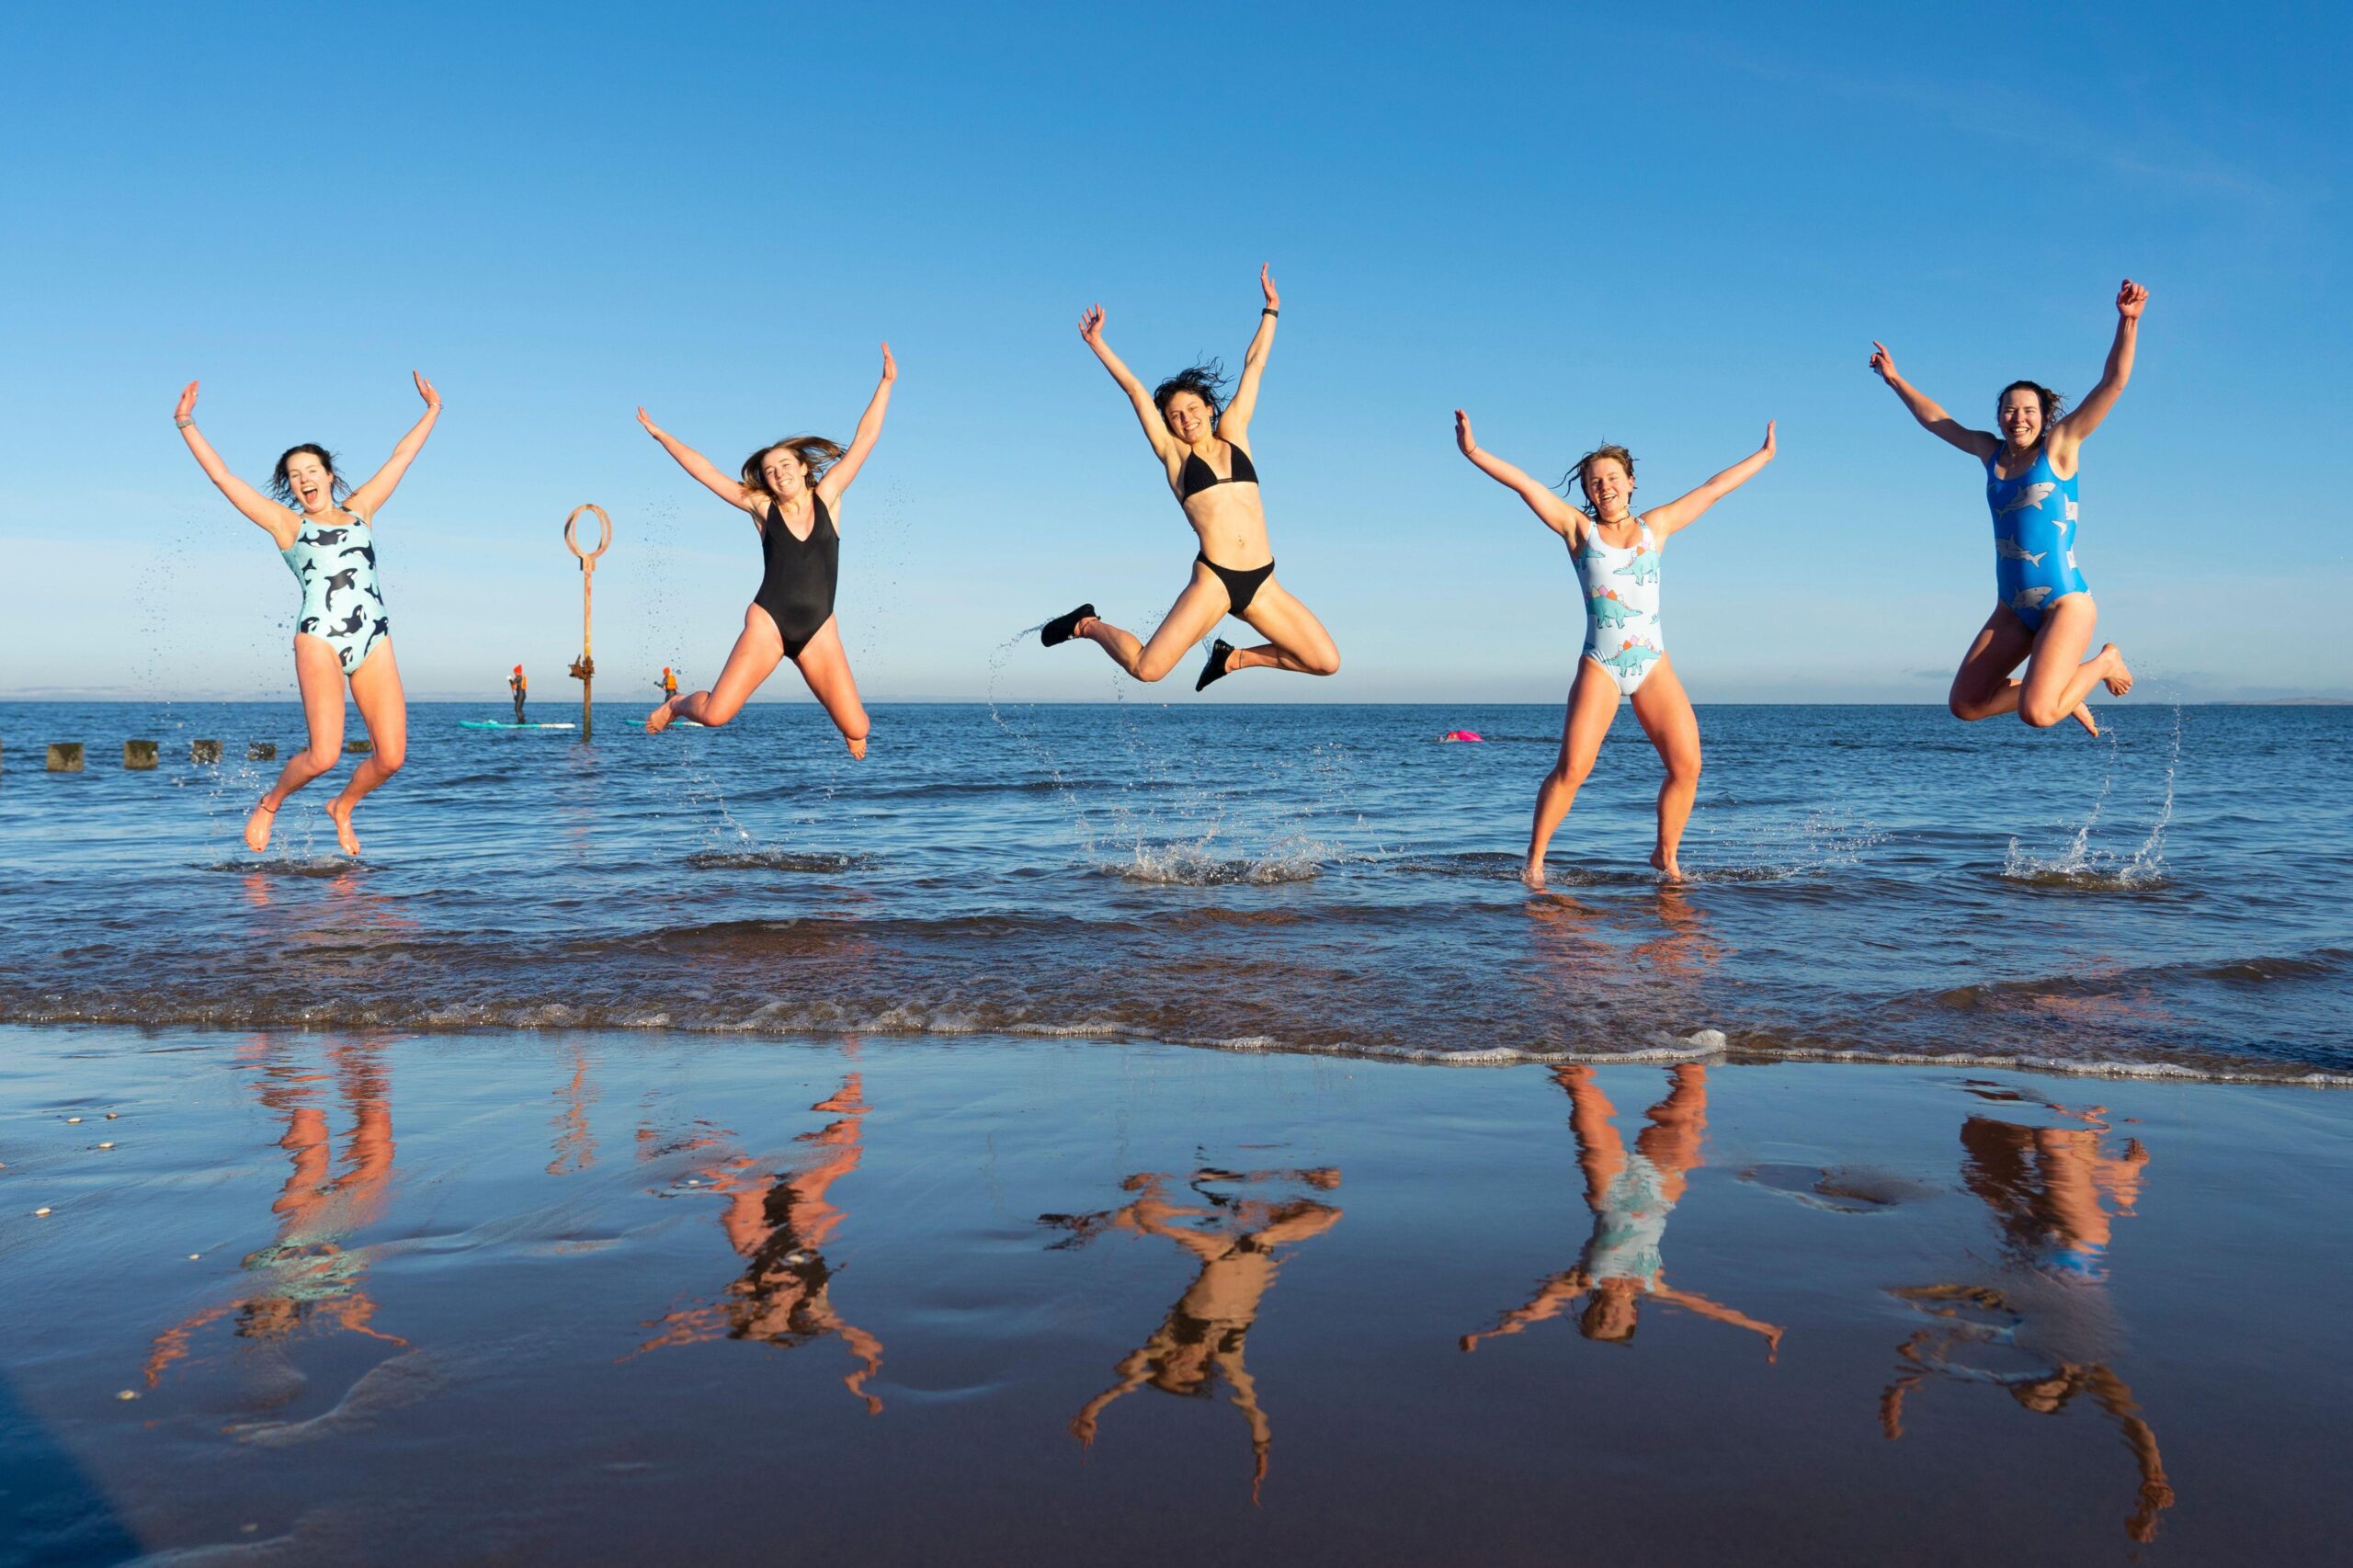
(2043, 615)
(1617, 553)
(325, 531)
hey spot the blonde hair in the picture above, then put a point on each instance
(816, 454)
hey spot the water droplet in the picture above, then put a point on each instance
(38, 1213)
(128, 1394)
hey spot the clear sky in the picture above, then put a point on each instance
(1654, 225)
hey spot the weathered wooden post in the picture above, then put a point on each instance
(261, 751)
(139, 756)
(203, 752)
(584, 668)
(65, 756)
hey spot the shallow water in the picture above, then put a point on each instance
(1871, 881)
(647, 1296)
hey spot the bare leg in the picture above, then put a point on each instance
(376, 688)
(1295, 640)
(1200, 607)
(2056, 684)
(319, 673)
(825, 665)
(754, 657)
(1665, 712)
(1983, 688)
(1593, 705)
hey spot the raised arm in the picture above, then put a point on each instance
(1155, 429)
(1553, 512)
(1978, 444)
(1684, 510)
(729, 489)
(385, 480)
(2088, 414)
(1234, 424)
(280, 522)
(870, 429)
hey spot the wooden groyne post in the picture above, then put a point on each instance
(584, 668)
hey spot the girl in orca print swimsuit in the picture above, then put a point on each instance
(2043, 615)
(1617, 556)
(326, 532)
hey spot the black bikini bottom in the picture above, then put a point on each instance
(1241, 584)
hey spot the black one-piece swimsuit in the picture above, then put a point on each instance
(797, 588)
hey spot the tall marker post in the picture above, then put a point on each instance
(584, 668)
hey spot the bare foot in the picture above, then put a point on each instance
(2082, 715)
(2119, 679)
(257, 826)
(339, 811)
(659, 720)
(1664, 863)
(1532, 874)
(857, 747)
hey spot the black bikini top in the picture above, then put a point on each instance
(1197, 475)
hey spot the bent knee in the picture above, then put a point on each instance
(1324, 663)
(392, 758)
(321, 757)
(2041, 715)
(1967, 710)
(1153, 669)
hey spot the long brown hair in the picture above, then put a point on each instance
(1575, 475)
(816, 454)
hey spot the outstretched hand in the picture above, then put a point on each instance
(186, 406)
(424, 390)
(1266, 283)
(2129, 299)
(647, 420)
(1462, 437)
(1768, 449)
(1883, 362)
(1091, 325)
(890, 370)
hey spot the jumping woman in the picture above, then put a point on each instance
(793, 490)
(1617, 556)
(2043, 612)
(325, 531)
(1205, 450)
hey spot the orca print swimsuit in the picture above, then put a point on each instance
(1241, 583)
(341, 603)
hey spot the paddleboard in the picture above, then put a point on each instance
(507, 724)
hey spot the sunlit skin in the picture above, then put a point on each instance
(1660, 705)
(1229, 519)
(824, 663)
(376, 684)
(2058, 676)
(2054, 1193)
(1206, 1330)
(1672, 1143)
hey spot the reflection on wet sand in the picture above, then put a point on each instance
(1604, 958)
(777, 1221)
(1204, 1336)
(1632, 1193)
(307, 1277)
(2040, 1335)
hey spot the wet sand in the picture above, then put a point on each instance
(657, 1298)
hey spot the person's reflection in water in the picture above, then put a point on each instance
(307, 1277)
(1630, 1192)
(1203, 1338)
(779, 1222)
(2054, 1193)
(575, 1139)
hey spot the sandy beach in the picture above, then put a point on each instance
(497, 1298)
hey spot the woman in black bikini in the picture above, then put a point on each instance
(792, 489)
(1234, 573)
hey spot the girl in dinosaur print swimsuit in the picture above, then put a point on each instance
(2043, 615)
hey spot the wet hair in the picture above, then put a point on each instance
(282, 487)
(816, 454)
(2054, 407)
(1205, 380)
(1575, 478)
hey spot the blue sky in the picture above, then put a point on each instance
(1659, 226)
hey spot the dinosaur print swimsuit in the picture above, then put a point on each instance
(2034, 538)
(1622, 624)
(341, 603)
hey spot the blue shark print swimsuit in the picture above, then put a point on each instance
(1621, 625)
(2034, 538)
(341, 603)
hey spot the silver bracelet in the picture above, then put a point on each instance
(183, 424)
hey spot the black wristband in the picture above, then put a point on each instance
(1271, 313)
